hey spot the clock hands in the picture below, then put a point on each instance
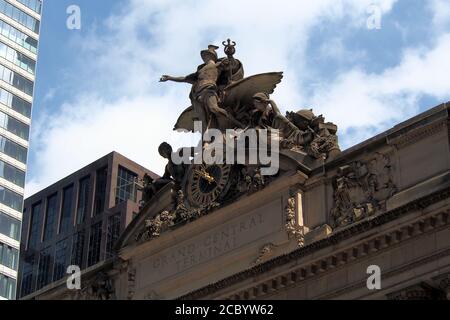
(205, 175)
(207, 183)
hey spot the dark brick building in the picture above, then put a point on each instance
(77, 220)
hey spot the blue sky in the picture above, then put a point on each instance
(97, 88)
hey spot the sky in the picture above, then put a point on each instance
(366, 65)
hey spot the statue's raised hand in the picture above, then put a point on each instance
(164, 78)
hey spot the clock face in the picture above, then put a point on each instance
(206, 183)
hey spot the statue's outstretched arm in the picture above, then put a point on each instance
(187, 79)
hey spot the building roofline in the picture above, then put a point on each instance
(441, 111)
(68, 178)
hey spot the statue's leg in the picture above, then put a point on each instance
(212, 103)
(200, 113)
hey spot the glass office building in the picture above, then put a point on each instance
(77, 221)
(19, 36)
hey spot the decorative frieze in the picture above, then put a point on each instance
(361, 189)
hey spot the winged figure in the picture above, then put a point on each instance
(236, 99)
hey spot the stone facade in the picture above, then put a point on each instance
(311, 233)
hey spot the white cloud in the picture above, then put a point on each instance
(121, 106)
(50, 94)
(441, 13)
(334, 49)
(369, 103)
(92, 128)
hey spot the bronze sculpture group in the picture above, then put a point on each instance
(223, 99)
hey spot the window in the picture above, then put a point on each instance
(19, 59)
(18, 37)
(126, 185)
(9, 226)
(44, 269)
(113, 232)
(11, 199)
(35, 226)
(66, 212)
(50, 217)
(83, 198)
(13, 149)
(77, 249)
(7, 287)
(15, 126)
(100, 190)
(35, 5)
(27, 276)
(95, 239)
(9, 256)
(12, 174)
(17, 104)
(16, 80)
(19, 16)
(60, 260)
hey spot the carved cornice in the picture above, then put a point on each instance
(380, 242)
(420, 291)
(392, 273)
(322, 181)
(417, 134)
(344, 257)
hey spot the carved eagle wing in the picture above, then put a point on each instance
(241, 92)
(185, 120)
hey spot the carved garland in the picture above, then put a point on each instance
(293, 229)
(265, 251)
(248, 181)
